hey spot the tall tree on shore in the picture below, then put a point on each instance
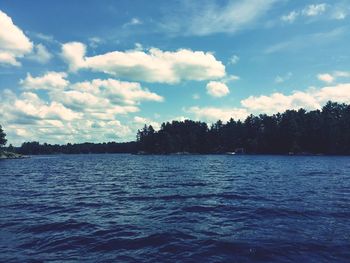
(325, 131)
(2, 137)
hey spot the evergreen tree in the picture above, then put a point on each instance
(2, 137)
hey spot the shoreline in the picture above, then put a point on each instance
(20, 156)
(4, 155)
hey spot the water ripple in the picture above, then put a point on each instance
(124, 208)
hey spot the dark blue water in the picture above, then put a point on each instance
(125, 208)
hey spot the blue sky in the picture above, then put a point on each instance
(76, 71)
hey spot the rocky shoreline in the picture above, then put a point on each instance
(11, 155)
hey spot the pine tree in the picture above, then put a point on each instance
(2, 137)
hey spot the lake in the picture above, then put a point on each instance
(195, 208)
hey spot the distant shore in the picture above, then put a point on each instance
(11, 155)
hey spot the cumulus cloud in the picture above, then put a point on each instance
(153, 65)
(41, 54)
(72, 112)
(14, 43)
(140, 121)
(217, 89)
(129, 92)
(29, 107)
(328, 78)
(310, 100)
(50, 80)
(331, 77)
(68, 116)
(118, 91)
(73, 53)
(213, 114)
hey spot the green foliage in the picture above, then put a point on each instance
(2, 137)
(326, 131)
(30, 148)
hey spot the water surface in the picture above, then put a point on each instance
(214, 208)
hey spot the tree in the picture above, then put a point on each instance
(2, 137)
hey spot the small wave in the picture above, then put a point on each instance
(58, 226)
(154, 240)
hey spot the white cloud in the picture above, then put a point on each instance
(281, 79)
(314, 10)
(29, 107)
(8, 58)
(129, 92)
(51, 80)
(217, 89)
(291, 17)
(340, 12)
(118, 91)
(342, 74)
(328, 78)
(73, 53)
(331, 77)
(79, 100)
(153, 65)
(229, 78)
(140, 121)
(72, 112)
(13, 42)
(44, 37)
(133, 22)
(206, 17)
(278, 102)
(310, 99)
(233, 60)
(213, 114)
(339, 93)
(41, 54)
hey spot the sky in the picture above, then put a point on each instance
(97, 71)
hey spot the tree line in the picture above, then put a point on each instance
(325, 131)
(32, 148)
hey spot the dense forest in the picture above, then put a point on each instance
(325, 131)
(30, 148)
(294, 132)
